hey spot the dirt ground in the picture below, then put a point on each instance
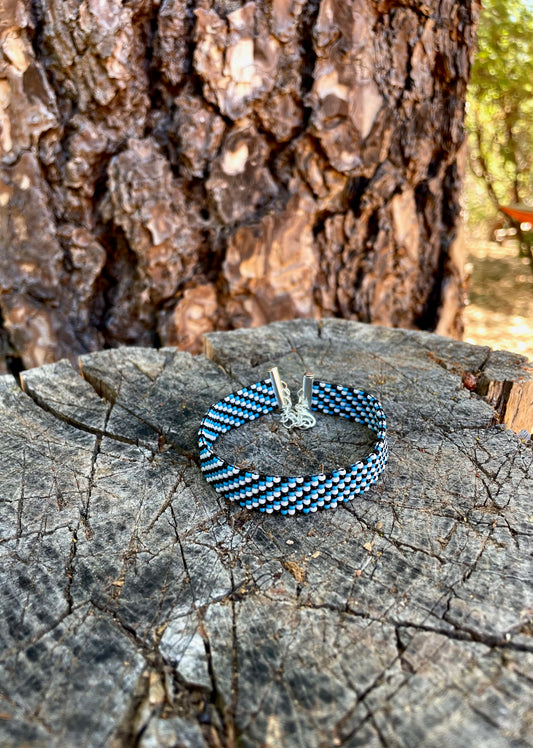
(500, 308)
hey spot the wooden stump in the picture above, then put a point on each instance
(140, 609)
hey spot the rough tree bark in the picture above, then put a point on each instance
(139, 609)
(170, 167)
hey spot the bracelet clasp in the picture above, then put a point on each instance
(297, 416)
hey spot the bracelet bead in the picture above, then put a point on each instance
(299, 493)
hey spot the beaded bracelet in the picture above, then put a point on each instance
(271, 493)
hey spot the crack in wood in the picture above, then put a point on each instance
(338, 618)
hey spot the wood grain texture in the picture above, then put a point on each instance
(137, 608)
(170, 167)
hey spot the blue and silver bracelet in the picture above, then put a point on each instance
(291, 494)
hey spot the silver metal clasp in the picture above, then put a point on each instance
(281, 391)
(297, 416)
(307, 389)
(304, 418)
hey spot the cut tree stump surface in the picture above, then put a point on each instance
(140, 609)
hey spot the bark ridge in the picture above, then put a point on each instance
(171, 167)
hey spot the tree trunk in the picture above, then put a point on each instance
(139, 608)
(170, 168)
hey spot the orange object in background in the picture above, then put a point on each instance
(522, 213)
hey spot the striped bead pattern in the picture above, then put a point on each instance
(291, 494)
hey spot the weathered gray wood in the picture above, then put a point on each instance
(137, 608)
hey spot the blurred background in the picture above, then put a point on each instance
(499, 172)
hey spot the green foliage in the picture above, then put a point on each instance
(500, 104)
